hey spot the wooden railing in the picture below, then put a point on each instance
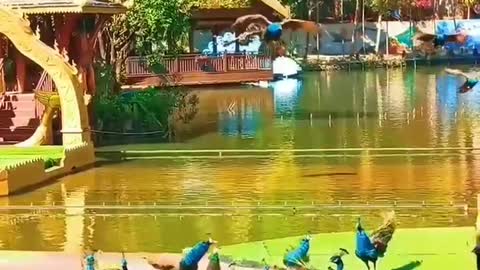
(138, 66)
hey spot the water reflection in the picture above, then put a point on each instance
(386, 108)
(286, 94)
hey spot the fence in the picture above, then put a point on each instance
(138, 66)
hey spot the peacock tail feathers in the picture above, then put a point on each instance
(383, 234)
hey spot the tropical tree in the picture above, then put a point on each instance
(383, 8)
(470, 4)
(150, 28)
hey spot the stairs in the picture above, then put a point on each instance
(19, 117)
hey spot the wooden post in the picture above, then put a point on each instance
(191, 37)
(3, 87)
(244, 59)
(477, 225)
(177, 65)
(225, 63)
(20, 66)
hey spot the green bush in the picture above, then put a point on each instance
(51, 162)
(150, 110)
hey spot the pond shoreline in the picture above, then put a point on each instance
(336, 63)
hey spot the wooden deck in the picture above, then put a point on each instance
(196, 70)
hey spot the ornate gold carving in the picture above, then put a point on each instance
(43, 133)
(74, 113)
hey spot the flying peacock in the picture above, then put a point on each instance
(298, 257)
(471, 79)
(441, 40)
(248, 26)
(370, 249)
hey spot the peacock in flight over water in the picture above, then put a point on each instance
(298, 257)
(248, 26)
(471, 79)
(370, 249)
(441, 40)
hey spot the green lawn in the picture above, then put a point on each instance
(435, 248)
(12, 155)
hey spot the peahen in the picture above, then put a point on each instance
(371, 249)
(297, 258)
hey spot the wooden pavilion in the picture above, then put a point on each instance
(70, 26)
(216, 19)
(210, 19)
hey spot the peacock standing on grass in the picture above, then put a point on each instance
(337, 259)
(214, 260)
(297, 258)
(370, 250)
(194, 255)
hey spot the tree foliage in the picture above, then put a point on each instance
(220, 3)
(384, 7)
(160, 25)
(150, 28)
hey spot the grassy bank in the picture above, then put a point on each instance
(13, 155)
(425, 249)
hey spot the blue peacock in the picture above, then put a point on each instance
(471, 79)
(298, 257)
(337, 259)
(194, 255)
(248, 26)
(371, 249)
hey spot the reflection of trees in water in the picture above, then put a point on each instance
(243, 122)
(232, 112)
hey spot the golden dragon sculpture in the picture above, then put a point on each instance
(74, 113)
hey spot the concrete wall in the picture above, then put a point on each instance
(32, 172)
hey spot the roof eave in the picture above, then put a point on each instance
(73, 9)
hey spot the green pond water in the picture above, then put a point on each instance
(374, 109)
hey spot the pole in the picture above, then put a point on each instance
(411, 39)
(477, 225)
(317, 19)
(387, 38)
(363, 26)
(355, 23)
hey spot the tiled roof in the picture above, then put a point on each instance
(64, 6)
